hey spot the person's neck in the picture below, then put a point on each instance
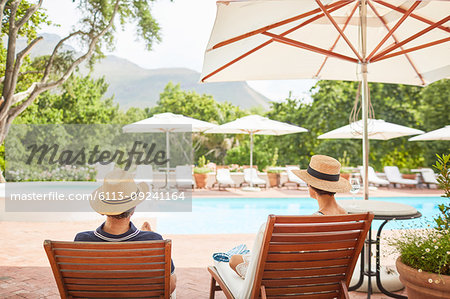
(116, 226)
(327, 203)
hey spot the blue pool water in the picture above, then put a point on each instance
(245, 215)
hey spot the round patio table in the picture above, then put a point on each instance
(385, 211)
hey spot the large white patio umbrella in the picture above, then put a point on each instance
(439, 134)
(392, 41)
(256, 125)
(378, 129)
(167, 123)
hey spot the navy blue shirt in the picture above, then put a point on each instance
(133, 234)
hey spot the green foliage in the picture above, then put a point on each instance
(202, 162)
(442, 165)
(425, 250)
(274, 160)
(80, 100)
(65, 173)
(201, 170)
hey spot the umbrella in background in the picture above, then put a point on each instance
(439, 134)
(166, 123)
(378, 129)
(361, 40)
(256, 124)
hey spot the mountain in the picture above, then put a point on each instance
(134, 86)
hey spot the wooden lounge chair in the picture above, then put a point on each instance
(111, 269)
(300, 257)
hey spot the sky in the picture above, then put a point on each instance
(185, 29)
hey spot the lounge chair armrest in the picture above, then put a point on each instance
(263, 292)
(344, 290)
(222, 286)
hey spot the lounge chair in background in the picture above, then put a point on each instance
(224, 179)
(373, 178)
(103, 170)
(251, 177)
(428, 176)
(298, 257)
(395, 177)
(183, 177)
(144, 173)
(292, 178)
(111, 269)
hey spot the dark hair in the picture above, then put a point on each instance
(322, 192)
(125, 214)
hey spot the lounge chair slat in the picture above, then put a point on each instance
(119, 294)
(312, 246)
(310, 256)
(316, 237)
(112, 274)
(317, 227)
(304, 272)
(302, 281)
(140, 266)
(327, 295)
(110, 260)
(111, 246)
(111, 287)
(303, 289)
(108, 253)
(306, 264)
(321, 219)
(115, 281)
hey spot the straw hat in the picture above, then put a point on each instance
(324, 173)
(118, 194)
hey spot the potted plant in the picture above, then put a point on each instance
(407, 174)
(274, 177)
(424, 262)
(201, 173)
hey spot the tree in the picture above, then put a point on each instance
(24, 80)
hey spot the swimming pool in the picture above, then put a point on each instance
(245, 215)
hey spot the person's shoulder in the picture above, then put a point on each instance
(148, 236)
(85, 236)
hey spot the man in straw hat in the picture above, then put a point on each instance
(117, 198)
(323, 179)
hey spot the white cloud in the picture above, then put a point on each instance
(186, 26)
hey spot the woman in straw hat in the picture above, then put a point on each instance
(117, 198)
(323, 179)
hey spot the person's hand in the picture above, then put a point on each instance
(146, 226)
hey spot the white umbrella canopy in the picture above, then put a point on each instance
(439, 134)
(378, 130)
(168, 122)
(256, 124)
(394, 41)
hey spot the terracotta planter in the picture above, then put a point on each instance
(200, 180)
(418, 286)
(274, 179)
(345, 176)
(410, 176)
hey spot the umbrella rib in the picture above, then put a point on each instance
(413, 37)
(396, 41)
(277, 24)
(417, 17)
(301, 45)
(391, 31)
(339, 29)
(403, 52)
(337, 39)
(336, 7)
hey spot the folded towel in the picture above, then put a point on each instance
(225, 256)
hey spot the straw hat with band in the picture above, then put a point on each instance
(324, 173)
(118, 194)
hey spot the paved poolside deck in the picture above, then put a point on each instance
(25, 273)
